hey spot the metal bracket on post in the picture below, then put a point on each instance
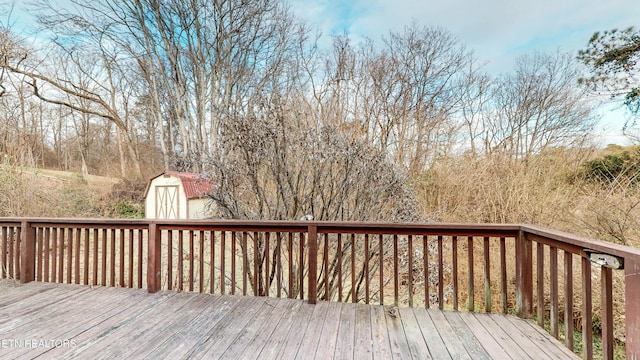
(606, 260)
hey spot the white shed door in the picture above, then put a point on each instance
(167, 202)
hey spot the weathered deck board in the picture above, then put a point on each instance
(103, 322)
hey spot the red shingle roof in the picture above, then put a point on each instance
(195, 187)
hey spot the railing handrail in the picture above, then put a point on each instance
(409, 228)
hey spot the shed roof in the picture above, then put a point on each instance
(195, 186)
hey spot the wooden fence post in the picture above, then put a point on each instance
(632, 307)
(313, 263)
(524, 276)
(154, 245)
(27, 252)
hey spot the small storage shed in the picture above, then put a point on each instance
(177, 195)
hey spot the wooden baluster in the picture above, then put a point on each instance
(47, 254)
(18, 254)
(380, 267)
(487, 277)
(170, 259)
(131, 255)
(278, 263)
(256, 259)
(325, 263)
(425, 260)
(471, 304)
(78, 238)
(233, 264)
(122, 264)
(212, 262)
(354, 295)
(540, 282)
(245, 264)
(12, 246)
(553, 271)
(180, 260)
(587, 308)
(191, 256)
(366, 269)
(112, 263)
(454, 255)
(140, 257)
(395, 270)
(40, 254)
(410, 277)
(290, 255)
(267, 260)
(201, 257)
(54, 254)
(4, 253)
(222, 260)
(86, 257)
(440, 273)
(606, 278)
(568, 300)
(95, 257)
(503, 274)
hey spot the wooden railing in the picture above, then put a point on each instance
(472, 267)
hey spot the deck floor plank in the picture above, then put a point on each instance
(326, 345)
(299, 332)
(152, 335)
(489, 343)
(363, 343)
(283, 330)
(553, 348)
(521, 338)
(346, 333)
(467, 337)
(379, 334)
(453, 343)
(253, 337)
(502, 336)
(397, 337)
(415, 340)
(120, 323)
(430, 334)
(182, 342)
(224, 333)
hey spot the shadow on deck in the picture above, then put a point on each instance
(75, 321)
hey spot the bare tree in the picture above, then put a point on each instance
(275, 166)
(539, 106)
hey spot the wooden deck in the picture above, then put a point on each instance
(74, 321)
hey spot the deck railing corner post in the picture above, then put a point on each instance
(632, 310)
(154, 254)
(524, 276)
(27, 252)
(312, 231)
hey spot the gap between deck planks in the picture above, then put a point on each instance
(125, 323)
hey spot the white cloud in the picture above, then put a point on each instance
(498, 31)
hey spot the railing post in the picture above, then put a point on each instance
(313, 263)
(524, 276)
(632, 307)
(27, 252)
(154, 245)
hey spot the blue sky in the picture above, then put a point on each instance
(497, 31)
